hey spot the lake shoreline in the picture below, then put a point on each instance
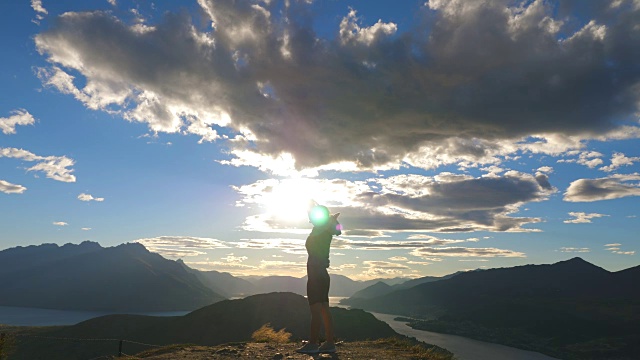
(464, 348)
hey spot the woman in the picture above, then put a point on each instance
(318, 242)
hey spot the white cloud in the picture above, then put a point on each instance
(343, 267)
(88, 197)
(55, 167)
(583, 218)
(181, 246)
(381, 269)
(398, 258)
(611, 187)
(618, 160)
(176, 253)
(351, 33)
(590, 159)
(384, 264)
(60, 223)
(39, 9)
(86, 229)
(465, 252)
(18, 117)
(624, 252)
(574, 250)
(348, 266)
(545, 169)
(423, 263)
(615, 248)
(184, 241)
(366, 99)
(341, 243)
(9, 188)
(292, 246)
(231, 258)
(112, 2)
(230, 262)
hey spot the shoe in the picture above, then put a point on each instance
(308, 348)
(327, 347)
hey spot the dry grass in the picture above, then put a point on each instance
(266, 334)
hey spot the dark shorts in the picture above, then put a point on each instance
(318, 282)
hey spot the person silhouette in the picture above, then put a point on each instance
(325, 226)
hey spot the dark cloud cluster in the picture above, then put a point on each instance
(450, 205)
(469, 83)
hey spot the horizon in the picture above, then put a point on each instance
(450, 136)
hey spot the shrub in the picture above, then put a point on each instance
(268, 335)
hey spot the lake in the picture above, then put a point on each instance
(19, 316)
(463, 348)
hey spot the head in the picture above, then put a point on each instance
(320, 216)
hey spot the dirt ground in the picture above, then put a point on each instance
(378, 350)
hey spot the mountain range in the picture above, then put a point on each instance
(570, 309)
(382, 288)
(89, 277)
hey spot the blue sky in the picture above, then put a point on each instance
(450, 135)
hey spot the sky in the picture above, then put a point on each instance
(449, 134)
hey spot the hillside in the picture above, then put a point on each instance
(556, 309)
(223, 322)
(89, 277)
(470, 292)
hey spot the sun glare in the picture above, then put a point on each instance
(289, 200)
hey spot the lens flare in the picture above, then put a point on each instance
(319, 215)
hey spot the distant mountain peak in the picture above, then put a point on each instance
(132, 246)
(85, 244)
(577, 262)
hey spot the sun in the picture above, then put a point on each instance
(289, 200)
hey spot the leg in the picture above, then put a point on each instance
(328, 322)
(316, 319)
